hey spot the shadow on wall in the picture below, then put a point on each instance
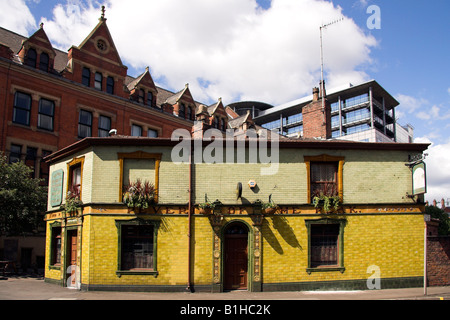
(282, 226)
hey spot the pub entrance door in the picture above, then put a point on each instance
(236, 257)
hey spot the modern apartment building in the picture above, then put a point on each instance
(363, 112)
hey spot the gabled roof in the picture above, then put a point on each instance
(144, 79)
(180, 94)
(40, 39)
(238, 122)
(213, 108)
(101, 30)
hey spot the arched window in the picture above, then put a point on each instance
(141, 96)
(216, 122)
(44, 62)
(182, 111)
(224, 125)
(31, 58)
(149, 99)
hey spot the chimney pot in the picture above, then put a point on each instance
(315, 94)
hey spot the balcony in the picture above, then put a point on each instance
(354, 120)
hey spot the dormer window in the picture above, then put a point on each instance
(224, 125)
(182, 111)
(31, 58)
(141, 96)
(189, 113)
(149, 99)
(44, 62)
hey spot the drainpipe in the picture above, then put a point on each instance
(190, 211)
(5, 122)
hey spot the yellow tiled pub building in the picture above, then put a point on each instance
(372, 237)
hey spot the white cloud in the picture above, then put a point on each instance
(238, 49)
(438, 169)
(15, 15)
(411, 105)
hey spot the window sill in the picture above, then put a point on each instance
(55, 267)
(325, 269)
(141, 272)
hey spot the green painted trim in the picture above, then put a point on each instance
(342, 223)
(355, 284)
(65, 261)
(144, 288)
(55, 224)
(250, 255)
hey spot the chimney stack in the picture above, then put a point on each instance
(317, 117)
(200, 125)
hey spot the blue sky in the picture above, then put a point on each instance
(269, 51)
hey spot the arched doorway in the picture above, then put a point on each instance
(236, 257)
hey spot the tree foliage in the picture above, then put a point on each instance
(22, 199)
(444, 220)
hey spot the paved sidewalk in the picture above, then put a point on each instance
(32, 288)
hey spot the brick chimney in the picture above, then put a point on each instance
(317, 116)
(200, 125)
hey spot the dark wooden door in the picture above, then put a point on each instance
(72, 255)
(236, 261)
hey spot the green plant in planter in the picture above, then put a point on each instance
(326, 196)
(73, 202)
(139, 195)
(328, 202)
(269, 207)
(208, 206)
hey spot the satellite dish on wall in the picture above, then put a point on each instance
(238, 190)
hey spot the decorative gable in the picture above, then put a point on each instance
(100, 44)
(97, 56)
(143, 89)
(218, 115)
(183, 103)
(37, 51)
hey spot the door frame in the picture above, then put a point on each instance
(67, 249)
(250, 254)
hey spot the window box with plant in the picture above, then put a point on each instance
(73, 201)
(326, 198)
(139, 195)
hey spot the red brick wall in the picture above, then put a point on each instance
(438, 261)
(315, 123)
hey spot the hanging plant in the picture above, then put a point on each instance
(139, 195)
(73, 201)
(208, 206)
(269, 207)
